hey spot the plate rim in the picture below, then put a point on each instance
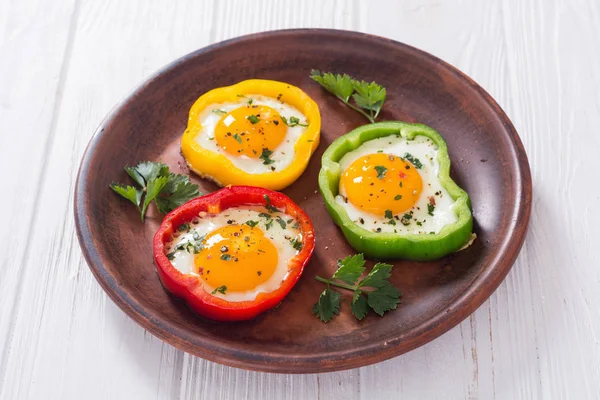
(483, 286)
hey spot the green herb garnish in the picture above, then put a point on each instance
(293, 121)
(155, 182)
(413, 160)
(266, 153)
(373, 292)
(381, 170)
(368, 97)
(253, 119)
(220, 289)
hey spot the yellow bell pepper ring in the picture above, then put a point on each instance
(217, 166)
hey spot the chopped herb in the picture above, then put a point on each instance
(270, 207)
(296, 225)
(381, 170)
(266, 153)
(253, 119)
(293, 121)
(225, 257)
(419, 223)
(281, 222)
(413, 160)
(220, 289)
(219, 111)
(251, 223)
(398, 197)
(296, 244)
(184, 227)
(265, 215)
(269, 224)
(171, 255)
(237, 138)
(400, 184)
(388, 214)
(430, 209)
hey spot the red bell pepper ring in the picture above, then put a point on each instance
(190, 287)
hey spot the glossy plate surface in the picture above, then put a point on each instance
(488, 160)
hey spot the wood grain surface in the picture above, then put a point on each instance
(65, 64)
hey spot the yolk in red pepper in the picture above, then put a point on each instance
(248, 130)
(231, 256)
(380, 182)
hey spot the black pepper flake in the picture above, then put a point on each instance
(378, 230)
(362, 221)
(259, 273)
(230, 221)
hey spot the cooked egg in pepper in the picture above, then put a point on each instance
(257, 132)
(238, 253)
(391, 184)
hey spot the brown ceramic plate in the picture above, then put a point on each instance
(488, 161)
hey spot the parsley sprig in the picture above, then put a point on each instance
(373, 292)
(368, 97)
(155, 182)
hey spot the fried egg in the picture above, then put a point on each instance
(257, 133)
(391, 184)
(238, 253)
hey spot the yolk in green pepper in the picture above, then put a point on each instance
(379, 182)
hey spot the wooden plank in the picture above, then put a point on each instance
(34, 48)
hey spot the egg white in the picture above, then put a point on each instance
(282, 156)
(206, 223)
(426, 151)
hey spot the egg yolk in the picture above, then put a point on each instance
(238, 257)
(380, 182)
(249, 130)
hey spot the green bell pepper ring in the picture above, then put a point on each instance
(384, 245)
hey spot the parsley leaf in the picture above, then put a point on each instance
(177, 191)
(368, 97)
(156, 183)
(152, 190)
(225, 257)
(430, 209)
(372, 292)
(296, 244)
(270, 207)
(385, 298)
(413, 160)
(219, 111)
(381, 170)
(129, 192)
(338, 85)
(350, 269)
(359, 305)
(378, 275)
(293, 121)
(281, 222)
(220, 289)
(397, 197)
(253, 119)
(237, 137)
(266, 153)
(388, 214)
(328, 305)
(251, 223)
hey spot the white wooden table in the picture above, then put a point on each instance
(63, 65)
